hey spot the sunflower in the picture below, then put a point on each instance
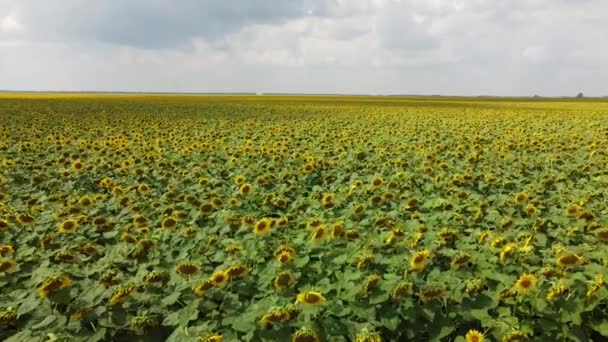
(219, 278)
(601, 234)
(515, 336)
(237, 271)
(157, 276)
(283, 281)
(377, 181)
(186, 268)
(460, 260)
(274, 316)
(7, 266)
(308, 168)
(526, 283)
(475, 286)
(530, 209)
(310, 298)
(318, 233)
(122, 293)
(557, 291)
(402, 290)
(369, 283)
(419, 260)
(521, 197)
(6, 250)
(245, 189)
(337, 230)
(284, 256)
(68, 226)
(143, 188)
(506, 252)
(474, 336)
(85, 201)
(569, 260)
(212, 338)
(53, 284)
(367, 336)
(202, 287)
(168, 223)
(262, 227)
(240, 179)
(77, 166)
(595, 285)
(206, 208)
(140, 221)
(573, 210)
(24, 219)
(431, 293)
(306, 334)
(328, 200)
(3, 224)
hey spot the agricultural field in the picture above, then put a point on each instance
(304, 219)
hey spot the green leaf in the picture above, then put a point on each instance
(28, 305)
(45, 322)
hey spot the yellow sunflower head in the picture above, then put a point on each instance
(310, 298)
(262, 227)
(186, 268)
(306, 334)
(283, 281)
(245, 189)
(419, 260)
(168, 223)
(474, 336)
(318, 233)
(219, 278)
(77, 166)
(68, 226)
(526, 283)
(569, 260)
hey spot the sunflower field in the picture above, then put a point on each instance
(304, 219)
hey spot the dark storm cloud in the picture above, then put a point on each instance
(156, 23)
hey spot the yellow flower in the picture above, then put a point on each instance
(7, 266)
(419, 260)
(245, 189)
(68, 226)
(202, 287)
(474, 336)
(3, 224)
(318, 233)
(77, 166)
(54, 284)
(310, 298)
(6, 250)
(262, 227)
(506, 252)
(521, 197)
(212, 338)
(186, 268)
(515, 336)
(306, 335)
(569, 260)
(168, 223)
(526, 283)
(283, 281)
(219, 278)
(431, 293)
(122, 293)
(24, 219)
(328, 200)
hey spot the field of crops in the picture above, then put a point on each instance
(305, 219)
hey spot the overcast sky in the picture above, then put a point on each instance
(459, 47)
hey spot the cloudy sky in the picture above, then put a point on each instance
(459, 47)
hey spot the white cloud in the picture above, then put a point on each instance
(517, 47)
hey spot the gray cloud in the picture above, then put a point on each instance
(155, 23)
(516, 47)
